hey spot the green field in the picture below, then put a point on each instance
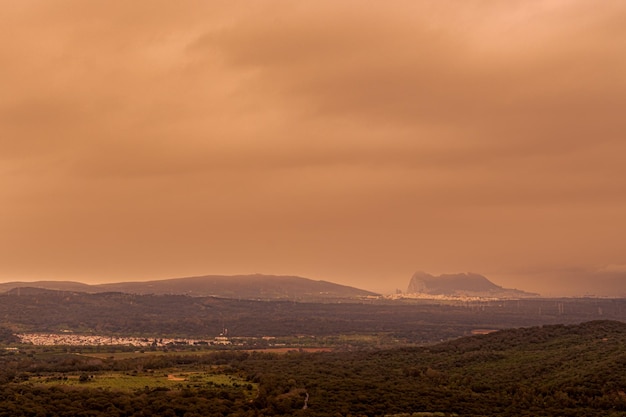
(169, 379)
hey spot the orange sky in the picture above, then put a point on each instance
(350, 141)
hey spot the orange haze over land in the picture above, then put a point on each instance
(350, 141)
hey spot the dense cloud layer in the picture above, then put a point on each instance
(344, 141)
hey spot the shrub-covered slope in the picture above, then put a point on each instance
(577, 370)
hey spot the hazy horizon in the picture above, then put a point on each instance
(328, 140)
(581, 283)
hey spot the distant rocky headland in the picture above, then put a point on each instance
(461, 285)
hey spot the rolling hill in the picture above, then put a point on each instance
(41, 310)
(255, 287)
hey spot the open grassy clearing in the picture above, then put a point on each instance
(170, 379)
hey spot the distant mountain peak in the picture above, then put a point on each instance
(460, 284)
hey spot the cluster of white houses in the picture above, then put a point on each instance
(70, 339)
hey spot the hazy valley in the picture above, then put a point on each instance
(273, 345)
(479, 143)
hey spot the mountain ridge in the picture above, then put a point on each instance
(254, 286)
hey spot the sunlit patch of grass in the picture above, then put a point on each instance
(128, 382)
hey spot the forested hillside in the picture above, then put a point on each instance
(559, 370)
